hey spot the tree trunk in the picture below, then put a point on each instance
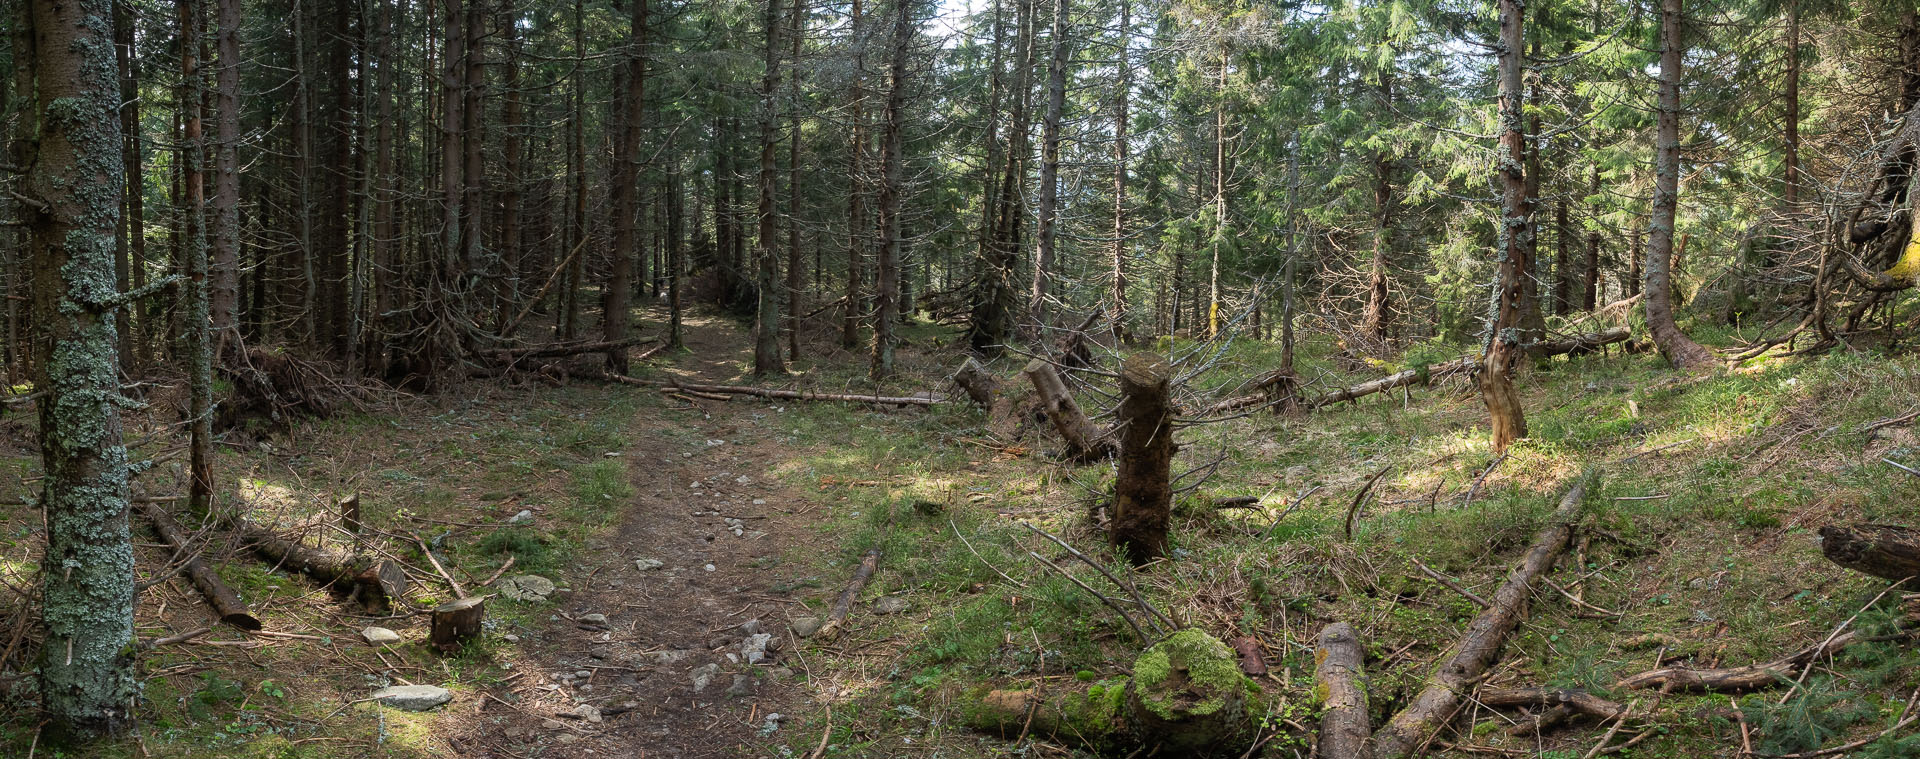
(796, 268)
(1219, 196)
(1122, 91)
(1592, 296)
(625, 175)
(134, 221)
(887, 281)
(1142, 489)
(225, 602)
(766, 329)
(994, 302)
(856, 199)
(1507, 419)
(1045, 232)
(1085, 442)
(1379, 306)
(86, 672)
(226, 176)
(193, 207)
(1680, 350)
(1790, 161)
(1562, 261)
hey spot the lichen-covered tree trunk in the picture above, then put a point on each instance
(1503, 350)
(1679, 349)
(199, 350)
(87, 573)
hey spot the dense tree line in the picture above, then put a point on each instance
(403, 189)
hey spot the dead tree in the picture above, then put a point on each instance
(1085, 442)
(1143, 489)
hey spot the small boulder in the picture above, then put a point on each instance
(703, 676)
(591, 619)
(645, 565)
(890, 605)
(805, 627)
(412, 698)
(754, 648)
(527, 588)
(742, 686)
(524, 517)
(380, 636)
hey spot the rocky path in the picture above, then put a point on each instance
(674, 641)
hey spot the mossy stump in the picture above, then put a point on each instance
(1188, 694)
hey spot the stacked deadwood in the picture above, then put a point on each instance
(1418, 376)
(1344, 727)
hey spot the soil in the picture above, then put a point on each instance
(688, 615)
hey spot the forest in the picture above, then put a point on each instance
(1353, 379)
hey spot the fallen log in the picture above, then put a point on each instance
(1470, 658)
(562, 349)
(1085, 442)
(1419, 375)
(1886, 551)
(1575, 700)
(374, 583)
(790, 395)
(1344, 728)
(1754, 676)
(843, 605)
(226, 603)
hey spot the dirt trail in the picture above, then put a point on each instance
(704, 508)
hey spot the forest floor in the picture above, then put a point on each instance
(1701, 540)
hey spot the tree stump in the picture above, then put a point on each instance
(456, 622)
(1143, 491)
(1188, 696)
(1085, 442)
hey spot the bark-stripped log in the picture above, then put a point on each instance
(1001, 400)
(1886, 551)
(1143, 486)
(1085, 442)
(375, 583)
(1337, 674)
(1424, 375)
(790, 395)
(1470, 658)
(225, 602)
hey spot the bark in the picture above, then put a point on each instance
(625, 175)
(1506, 323)
(512, 122)
(225, 287)
(1467, 660)
(1592, 299)
(676, 257)
(76, 176)
(196, 335)
(386, 269)
(1045, 229)
(887, 278)
(456, 622)
(1679, 350)
(1122, 92)
(856, 199)
(796, 268)
(125, 266)
(1562, 261)
(843, 605)
(1143, 489)
(1889, 552)
(1790, 101)
(1379, 315)
(1085, 442)
(226, 603)
(766, 326)
(1340, 681)
(1219, 196)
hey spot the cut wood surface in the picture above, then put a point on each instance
(1467, 660)
(1890, 552)
(1344, 727)
(226, 603)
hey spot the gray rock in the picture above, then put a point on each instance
(751, 626)
(524, 517)
(380, 636)
(648, 564)
(413, 698)
(567, 738)
(587, 712)
(742, 685)
(583, 674)
(592, 619)
(780, 673)
(754, 648)
(890, 605)
(703, 676)
(527, 588)
(805, 627)
(672, 656)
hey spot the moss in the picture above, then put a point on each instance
(1190, 674)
